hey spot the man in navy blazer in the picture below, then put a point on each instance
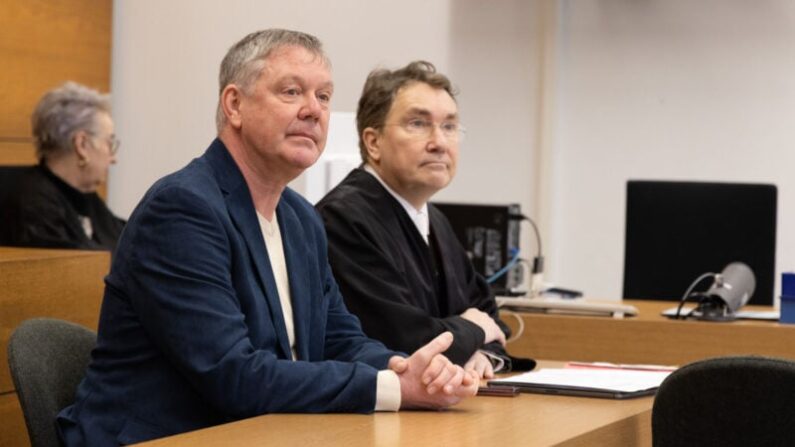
(220, 303)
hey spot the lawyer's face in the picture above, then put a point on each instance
(284, 119)
(416, 150)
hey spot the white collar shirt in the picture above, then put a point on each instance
(418, 216)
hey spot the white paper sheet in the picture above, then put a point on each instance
(612, 380)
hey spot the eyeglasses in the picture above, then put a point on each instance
(113, 144)
(422, 128)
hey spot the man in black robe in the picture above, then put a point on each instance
(397, 261)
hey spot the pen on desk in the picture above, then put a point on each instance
(607, 365)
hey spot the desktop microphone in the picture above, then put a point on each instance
(731, 290)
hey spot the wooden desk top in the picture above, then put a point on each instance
(648, 337)
(528, 419)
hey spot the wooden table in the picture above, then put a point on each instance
(66, 284)
(647, 337)
(526, 420)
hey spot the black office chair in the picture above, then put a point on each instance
(47, 358)
(9, 181)
(727, 401)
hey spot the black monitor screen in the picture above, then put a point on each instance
(676, 231)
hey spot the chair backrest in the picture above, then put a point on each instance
(727, 401)
(47, 358)
(9, 177)
(676, 231)
(9, 183)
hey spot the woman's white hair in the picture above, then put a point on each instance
(61, 113)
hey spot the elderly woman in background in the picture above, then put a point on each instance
(56, 204)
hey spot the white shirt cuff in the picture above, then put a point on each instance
(387, 391)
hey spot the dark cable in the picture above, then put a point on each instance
(689, 291)
(538, 260)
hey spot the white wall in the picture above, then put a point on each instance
(665, 89)
(494, 55)
(166, 57)
(564, 100)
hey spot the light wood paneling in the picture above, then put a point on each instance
(17, 152)
(66, 284)
(648, 337)
(12, 424)
(44, 43)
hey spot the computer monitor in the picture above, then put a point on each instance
(676, 231)
(489, 234)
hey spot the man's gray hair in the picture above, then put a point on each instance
(245, 61)
(61, 113)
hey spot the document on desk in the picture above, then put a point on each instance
(605, 383)
(574, 306)
(768, 315)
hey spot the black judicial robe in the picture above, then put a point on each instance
(404, 291)
(45, 211)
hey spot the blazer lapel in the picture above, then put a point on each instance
(241, 210)
(295, 249)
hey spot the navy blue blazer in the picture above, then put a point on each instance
(191, 331)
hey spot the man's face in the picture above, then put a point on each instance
(414, 163)
(284, 119)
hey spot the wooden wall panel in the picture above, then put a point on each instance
(13, 432)
(44, 43)
(66, 284)
(648, 337)
(34, 282)
(16, 152)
